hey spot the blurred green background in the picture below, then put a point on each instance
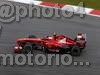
(87, 3)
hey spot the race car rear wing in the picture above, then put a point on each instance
(81, 36)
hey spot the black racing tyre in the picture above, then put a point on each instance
(27, 48)
(75, 51)
(75, 39)
(17, 52)
(44, 49)
(32, 36)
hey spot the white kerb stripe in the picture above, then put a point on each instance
(28, 1)
(21, 1)
(35, 2)
(76, 9)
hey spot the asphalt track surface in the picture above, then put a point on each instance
(41, 27)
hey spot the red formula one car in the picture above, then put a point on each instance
(54, 43)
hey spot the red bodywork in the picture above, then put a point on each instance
(50, 43)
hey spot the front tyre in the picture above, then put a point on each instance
(27, 48)
(75, 51)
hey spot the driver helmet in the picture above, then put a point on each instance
(54, 33)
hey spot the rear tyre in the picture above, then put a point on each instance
(44, 49)
(75, 51)
(75, 39)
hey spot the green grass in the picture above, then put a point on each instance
(88, 3)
